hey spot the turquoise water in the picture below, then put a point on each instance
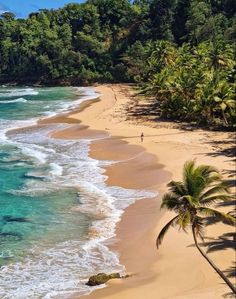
(56, 211)
(26, 103)
(26, 219)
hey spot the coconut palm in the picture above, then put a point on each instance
(165, 53)
(159, 85)
(224, 99)
(219, 56)
(202, 186)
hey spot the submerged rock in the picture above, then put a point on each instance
(8, 218)
(101, 278)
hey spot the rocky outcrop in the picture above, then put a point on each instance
(101, 278)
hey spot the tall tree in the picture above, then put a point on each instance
(162, 18)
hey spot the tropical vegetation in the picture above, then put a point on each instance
(191, 198)
(181, 53)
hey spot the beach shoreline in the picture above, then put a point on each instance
(156, 273)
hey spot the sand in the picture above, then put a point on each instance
(176, 270)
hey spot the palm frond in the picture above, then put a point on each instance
(219, 188)
(192, 201)
(188, 166)
(218, 215)
(177, 188)
(208, 171)
(188, 170)
(197, 179)
(170, 202)
(184, 220)
(194, 181)
(164, 230)
(216, 198)
(215, 177)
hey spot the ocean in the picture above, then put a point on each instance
(56, 212)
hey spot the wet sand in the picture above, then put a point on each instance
(176, 270)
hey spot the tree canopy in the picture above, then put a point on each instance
(179, 51)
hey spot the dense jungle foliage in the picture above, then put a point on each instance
(180, 52)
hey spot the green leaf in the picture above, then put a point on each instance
(217, 99)
(221, 216)
(223, 106)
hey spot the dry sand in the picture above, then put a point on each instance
(176, 270)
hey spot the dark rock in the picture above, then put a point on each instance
(8, 218)
(101, 278)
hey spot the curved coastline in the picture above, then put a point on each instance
(176, 270)
(129, 161)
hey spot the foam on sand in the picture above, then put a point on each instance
(56, 269)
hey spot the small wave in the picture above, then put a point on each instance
(19, 100)
(56, 169)
(85, 94)
(53, 272)
(8, 125)
(35, 153)
(19, 92)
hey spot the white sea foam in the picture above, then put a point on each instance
(19, 100)
(86, 93)
(56, 269)
(56, 170)
(39, 156)
(8, 125)
(18, 92)
(63, 268)
(56, 272)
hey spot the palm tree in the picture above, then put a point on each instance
(202, 186)
(219, 55)
(159, 85)
(224, 99)
(165, 53)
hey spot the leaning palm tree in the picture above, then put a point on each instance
(202, 186)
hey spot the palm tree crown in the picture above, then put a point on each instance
(190, 199)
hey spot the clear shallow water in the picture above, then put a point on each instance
(55, 209)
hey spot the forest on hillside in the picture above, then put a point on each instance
(180, 52)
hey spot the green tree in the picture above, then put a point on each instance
(8, 15)
(128, 41)
(201, 187)
(180, 19)
(162, 18)
(199, 14)
(134, 58)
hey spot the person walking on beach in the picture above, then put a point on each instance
(142, 135)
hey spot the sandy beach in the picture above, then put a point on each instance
(177, 269)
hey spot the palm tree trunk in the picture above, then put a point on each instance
(225, 119)
(226, 280)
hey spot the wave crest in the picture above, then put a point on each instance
(19, 100)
